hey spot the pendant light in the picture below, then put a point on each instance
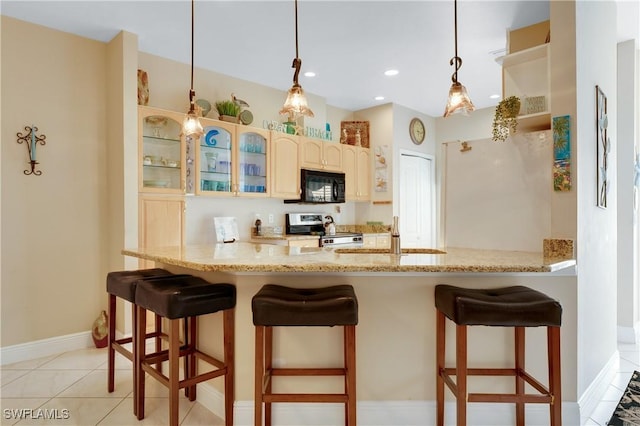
(296, 103)
(191, 125)
(458, 97)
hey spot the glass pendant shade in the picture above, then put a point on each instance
(459, 101)
(296, 103)
(191, 125)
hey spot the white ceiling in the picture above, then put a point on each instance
(348, 44)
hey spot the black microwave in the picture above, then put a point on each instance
(318, 187)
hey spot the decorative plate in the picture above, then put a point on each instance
(209, 138)
(205, 105)
(246, 117)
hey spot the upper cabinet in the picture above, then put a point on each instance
(320, 155)
(526, 73)
(232, 160)
(161, 151)
(285, 175)
(357, 169)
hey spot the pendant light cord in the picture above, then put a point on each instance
(297, 62)
(456, 59)
(191, 92)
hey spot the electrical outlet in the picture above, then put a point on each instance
(271, 218)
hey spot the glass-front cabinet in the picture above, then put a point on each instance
(161, 151)
(232, 160)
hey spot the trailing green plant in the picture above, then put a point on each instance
(228, 108)
(505, 120)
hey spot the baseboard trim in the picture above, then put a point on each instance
(45, 347)
(592, 396)
(385, 413)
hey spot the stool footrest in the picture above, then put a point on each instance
(305, 397)
(509, 397)
(307, 371)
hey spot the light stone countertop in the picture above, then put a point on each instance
(267, 258)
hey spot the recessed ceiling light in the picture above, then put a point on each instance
(494, 96)
(391, 72)
(379, 98)
(309, 74)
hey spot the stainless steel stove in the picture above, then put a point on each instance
(313, 224)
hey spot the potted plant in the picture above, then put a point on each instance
(505, 120)
(228, 111)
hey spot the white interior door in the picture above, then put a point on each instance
(417, 210)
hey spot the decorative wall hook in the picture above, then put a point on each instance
(31, 140)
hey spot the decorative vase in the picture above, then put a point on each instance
(143, 88)
(99, 331)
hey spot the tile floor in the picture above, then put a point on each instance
(76, 381)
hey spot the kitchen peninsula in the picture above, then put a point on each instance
(396, 330)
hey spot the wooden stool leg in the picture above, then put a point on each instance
(259, 375)
(135, 345)
(440, 353)
(112, 336)
(553, 349)
(157, 328)
(461, 375)
(191, 343)
(140, 349)
(519, 357)
(174, 371)
(229, 361)
(350, 365)
(268, 365)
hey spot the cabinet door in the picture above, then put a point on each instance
(160, 222)
(349, 166)
(311, 153)
(304, 243)
(369, 241)
(356, 167)
(161, 154)
(285, 169)
(383, 241)
(332, 156)
(252, 162)
(214, 159)
(363, 174)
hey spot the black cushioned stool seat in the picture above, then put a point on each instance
(186, 296)
(276, 305)
(280, 306)
(123, 284)
(508, 307)
(515, 306)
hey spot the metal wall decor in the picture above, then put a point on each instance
(31, 140)
(603, 147)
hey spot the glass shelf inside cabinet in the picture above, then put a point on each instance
(252, 161)
(215, 160)
(161, 153)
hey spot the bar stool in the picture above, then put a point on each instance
(279, 306)
(122, 284)
(517, 307)
(185, 297)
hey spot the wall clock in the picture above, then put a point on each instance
(417, 131)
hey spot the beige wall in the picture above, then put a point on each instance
(54, 225)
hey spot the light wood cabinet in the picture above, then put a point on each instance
(320, 155)
(310, 242)
(526, 74)
(285, 169)
(160, 222)
(161, 151)
(232, 160)
(356, 163)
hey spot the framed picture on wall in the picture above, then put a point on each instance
(603, 147)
